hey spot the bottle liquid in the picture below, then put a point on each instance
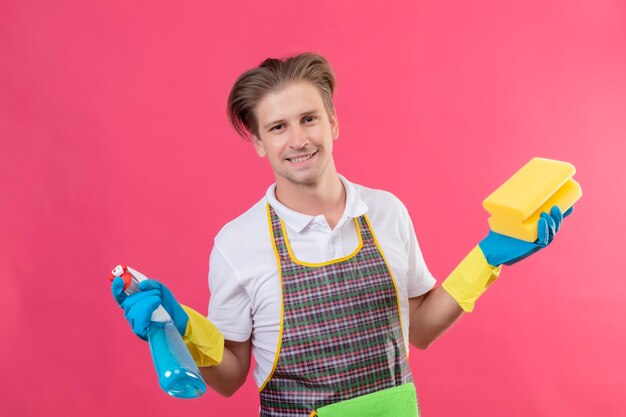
(178, 373)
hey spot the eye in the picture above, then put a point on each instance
(310, 119)
(276, 127)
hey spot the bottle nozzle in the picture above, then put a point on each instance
(122, 272)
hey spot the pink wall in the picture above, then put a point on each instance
(115, 148)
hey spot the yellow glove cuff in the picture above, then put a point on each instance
(203, 340)
(470, 279)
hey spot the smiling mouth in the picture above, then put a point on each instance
(302, 158)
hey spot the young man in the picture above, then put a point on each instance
(322, 280)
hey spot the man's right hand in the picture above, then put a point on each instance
(203, 340)
(138, 307)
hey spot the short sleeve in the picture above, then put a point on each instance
(419, 278)
(230, 305)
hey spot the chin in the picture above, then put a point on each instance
(304, 181)
(310, 179)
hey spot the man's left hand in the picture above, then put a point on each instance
(500, 249)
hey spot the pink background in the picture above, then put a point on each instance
(115, 148)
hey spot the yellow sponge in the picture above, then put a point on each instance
(516, 205)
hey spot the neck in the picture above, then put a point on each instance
(327, 197)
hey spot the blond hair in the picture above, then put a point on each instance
(271, 76)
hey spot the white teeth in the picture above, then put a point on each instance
(302, 158)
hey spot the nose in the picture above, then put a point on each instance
(299, 138)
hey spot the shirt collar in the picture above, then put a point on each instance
(355, 206)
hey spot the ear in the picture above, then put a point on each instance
(334, 124)
(258, 146)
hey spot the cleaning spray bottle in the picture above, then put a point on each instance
(178, 373)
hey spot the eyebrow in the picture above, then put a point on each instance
(306, 113)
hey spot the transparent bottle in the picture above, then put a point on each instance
(178, 374)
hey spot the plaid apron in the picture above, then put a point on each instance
(341, 334)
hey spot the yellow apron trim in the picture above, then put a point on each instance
(334, 261)
(393, 279)
(280, 280)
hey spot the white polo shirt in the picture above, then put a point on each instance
(243, 270)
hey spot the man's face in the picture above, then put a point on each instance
(296, 134)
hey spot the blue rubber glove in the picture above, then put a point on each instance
(138, 307)
(500, 249)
